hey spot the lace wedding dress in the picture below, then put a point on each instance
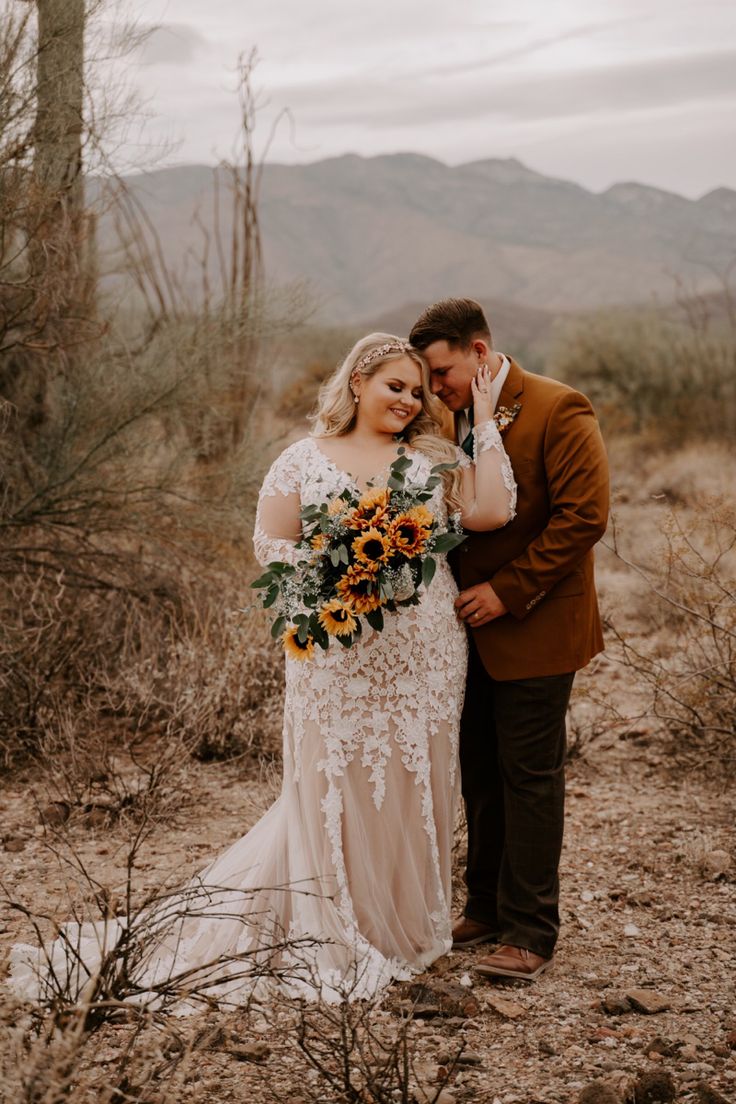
(344, 884)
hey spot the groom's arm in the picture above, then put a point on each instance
(577, 478)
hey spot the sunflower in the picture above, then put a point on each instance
(371, 509)
(371, 548)
(424, 516)
(408, 535)
(336, 619)
(293, 645)
(319, 542)
(359, 590)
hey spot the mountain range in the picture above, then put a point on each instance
(368, 235)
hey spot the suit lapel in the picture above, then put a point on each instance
(513, 387)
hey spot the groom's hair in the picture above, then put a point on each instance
(457, 321)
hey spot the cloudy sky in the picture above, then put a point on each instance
(596, 91)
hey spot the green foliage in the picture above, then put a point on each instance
(671, 374)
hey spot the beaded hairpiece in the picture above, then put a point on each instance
(380, 351)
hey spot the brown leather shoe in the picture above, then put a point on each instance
(513, 962)
(468, 933)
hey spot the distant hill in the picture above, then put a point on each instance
(370, 234)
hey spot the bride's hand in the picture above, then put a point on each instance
(481, 388)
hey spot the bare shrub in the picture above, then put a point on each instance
(671, 373)
(129, 465)
(217, 685)
(689, 669)
(313, 353)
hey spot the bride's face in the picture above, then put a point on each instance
(391, 398)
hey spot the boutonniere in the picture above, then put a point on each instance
(505, 415)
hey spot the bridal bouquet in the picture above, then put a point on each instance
(363, 556)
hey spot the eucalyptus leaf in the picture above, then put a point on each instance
(375, 619)
(447, 541)
(429, 566)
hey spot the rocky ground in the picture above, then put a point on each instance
(644, 979)
(640, 1006)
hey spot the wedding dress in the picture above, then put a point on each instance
(344, 884)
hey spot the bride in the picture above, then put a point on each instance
(344, 884)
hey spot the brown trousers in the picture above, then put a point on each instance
(512, 758)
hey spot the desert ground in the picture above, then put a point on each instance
(640, 1001)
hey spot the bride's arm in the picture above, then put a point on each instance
(278, 525)
(488, 485)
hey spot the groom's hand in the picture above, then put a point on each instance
(478, 605)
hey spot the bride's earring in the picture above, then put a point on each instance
(356, 399)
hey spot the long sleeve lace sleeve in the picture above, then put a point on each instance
(278, 526)
(489, 487)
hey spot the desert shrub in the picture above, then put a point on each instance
(688, 671)
(311, 355)
(671, 373)
(216, 685)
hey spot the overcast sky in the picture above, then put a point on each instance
(596, 91)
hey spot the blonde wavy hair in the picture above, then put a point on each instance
(336, 410)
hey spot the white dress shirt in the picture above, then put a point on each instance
(463, 421)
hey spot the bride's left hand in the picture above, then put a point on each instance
(481, 389)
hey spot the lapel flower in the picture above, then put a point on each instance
(505, 415)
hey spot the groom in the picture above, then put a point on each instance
(527, 594)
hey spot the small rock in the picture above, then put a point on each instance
(427, 1094)
(689, 1053)
(647, 1001)
(660, 1045)
(599, 1033)
(615, 1004)
(715, 865)
(251, 1052)
(622, 1083)
(706, 1094)
(643, 899)
(655, 1087)
(632, 931)
(14, 844)
(587, 896)
(509, 1010)
(545, 1047)
(599, 1092)
(58, 812)
(469, 1058)
(441, 998)
(97, 816)
(721, 1050)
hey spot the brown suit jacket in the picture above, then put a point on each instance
(541, 563)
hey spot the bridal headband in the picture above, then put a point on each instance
(381, 351)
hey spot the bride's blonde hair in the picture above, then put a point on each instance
(336, 408)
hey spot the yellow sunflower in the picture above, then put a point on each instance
(408, 535)
(336, 619)
(371, 509)
(293, 645)
(371, 548)
(424, 516)
(359, 590)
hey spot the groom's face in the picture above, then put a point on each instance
(451, 370)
